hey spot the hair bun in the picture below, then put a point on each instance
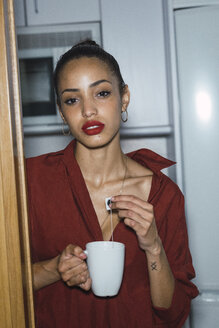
(86, 43)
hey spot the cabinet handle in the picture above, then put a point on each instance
(36, 6)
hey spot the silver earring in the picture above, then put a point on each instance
(124, 119)
(64, 129)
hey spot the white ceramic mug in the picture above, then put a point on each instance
(105, 260)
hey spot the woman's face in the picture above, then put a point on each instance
(90, 101)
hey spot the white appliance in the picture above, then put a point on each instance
(197, 41)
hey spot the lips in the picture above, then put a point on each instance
(93, 127)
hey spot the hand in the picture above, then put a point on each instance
(139, 215)
(73, 269)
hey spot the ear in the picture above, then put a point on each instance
(125, 98)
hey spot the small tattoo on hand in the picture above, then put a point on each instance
(154, 266)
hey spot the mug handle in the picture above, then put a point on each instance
(85, 252)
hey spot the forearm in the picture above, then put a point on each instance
(162, 281)
(45, 273)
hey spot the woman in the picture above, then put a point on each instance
(67, 192)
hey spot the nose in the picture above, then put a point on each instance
(88, 108)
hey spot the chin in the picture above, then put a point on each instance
(97, 141)
(94, 145)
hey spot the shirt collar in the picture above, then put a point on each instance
(150, 159)
(143, 156)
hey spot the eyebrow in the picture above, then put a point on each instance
(98, 82)
(90, 86)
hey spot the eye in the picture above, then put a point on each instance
(103, 94)
(70, 101)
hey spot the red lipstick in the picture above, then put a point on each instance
(92, 127)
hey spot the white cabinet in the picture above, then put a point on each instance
(19, 12)
(134, 34)
(41, 12)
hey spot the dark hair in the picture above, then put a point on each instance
(87, 48)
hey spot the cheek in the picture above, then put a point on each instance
(119, 107)
(72, 119)
(115, 115)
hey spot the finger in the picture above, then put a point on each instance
(134, 210)
(79, 279)
(137, 227)
(86, 285)
(131, 215)
(130, 198)
(73, 271)
(66, 264)
(130, 223)
(74, 250)
(135, 221)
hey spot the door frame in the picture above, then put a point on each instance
(16, 299)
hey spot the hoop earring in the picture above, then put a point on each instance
(63, 130)
(124, 119)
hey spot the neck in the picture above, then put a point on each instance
(101, 165)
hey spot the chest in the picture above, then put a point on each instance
(139, 187)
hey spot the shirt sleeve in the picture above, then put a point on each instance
(173, 232)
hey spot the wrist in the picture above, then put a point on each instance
(52, 266)
(45, 273)
(154, 250)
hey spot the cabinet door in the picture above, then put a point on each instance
(19, 12)
(41, 12)
(134, 34)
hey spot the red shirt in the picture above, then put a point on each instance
(61, 212)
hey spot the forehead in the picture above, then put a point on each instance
(86, 65)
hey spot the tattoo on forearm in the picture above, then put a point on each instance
(154, 266)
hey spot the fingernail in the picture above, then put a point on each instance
(112, 199)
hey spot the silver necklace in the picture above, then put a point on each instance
(108, 200)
